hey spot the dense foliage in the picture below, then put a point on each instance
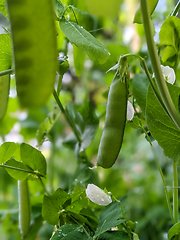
(89, 96)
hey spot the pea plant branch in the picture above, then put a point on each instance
(68, 118)
(163, 90)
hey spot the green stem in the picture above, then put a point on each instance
(9, 71)
(175, 193)
(22, 170)
(67, 116)
(162, 177)
(161, 84)
(176, 9)
(149, 78)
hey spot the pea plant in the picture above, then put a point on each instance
(42, 41)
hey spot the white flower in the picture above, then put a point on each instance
(130, 111)
(97, 195)
(168, 74)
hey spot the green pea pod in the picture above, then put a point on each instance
(4, 94)
(34, 49)
(112, 136)
(24, 207)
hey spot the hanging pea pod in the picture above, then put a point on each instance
(24, 207)
(112, 136)
(4, 94)
(34, 49)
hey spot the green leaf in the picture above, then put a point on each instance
(69, 232)
(114, 235)
(78, 36)
(82, 18)
(16, 174)
(3, 8)
(5, 52)
(33, 158)
(79, 58)
(161, 126)
(135, 123)
(7, 122)
(109, 217)
(4, 94)
(138, 16)
(140, 85)
(34, 49)
(78, 200)
(59, 7)
(169, 38)
(7, 150)
(173, 231)
(52, 206)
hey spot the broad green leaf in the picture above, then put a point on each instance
(79, 58)
(34, 49)
(138, 16)
(140, 85)
(114, 235)
(109, 217)
(33, 158)
(5, 52)
(18, 175)
(161, 126)
(169, 38)
(69, 232)
(78, 36)
(7, 150)
(100, 9)
(173, 231)
(4, 94)
(52, 206)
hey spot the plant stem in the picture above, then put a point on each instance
(162, 177)
(176, 9)
(161, 84)
(9, 71)
(149, 78)
(22, 170)
(175, 193)
(67, 116)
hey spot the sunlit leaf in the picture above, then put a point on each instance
(52, 205)
(7, 150)
(33, 158)
(161, 126)
(78, 36)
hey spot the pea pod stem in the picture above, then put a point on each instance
(9, 71)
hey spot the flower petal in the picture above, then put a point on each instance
(168, 74)
(130, 111)
(97, 195)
